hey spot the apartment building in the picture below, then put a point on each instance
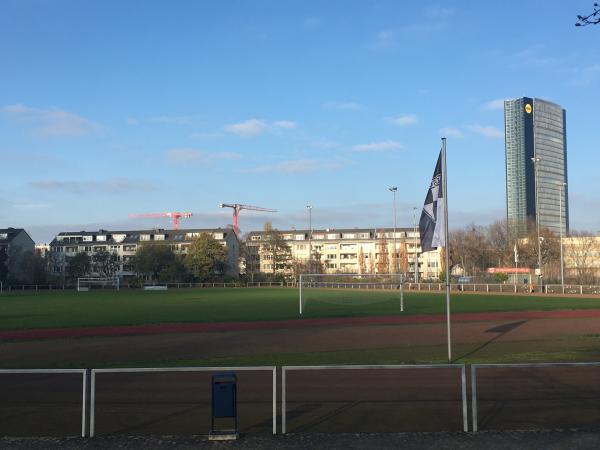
(349, 251)
(125, 244)
(15, 243)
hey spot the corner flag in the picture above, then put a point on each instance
(432, 222)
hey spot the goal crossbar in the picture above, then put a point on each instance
(84, 283)
(304, 277)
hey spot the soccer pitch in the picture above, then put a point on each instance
(135, 307)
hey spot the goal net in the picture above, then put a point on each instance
(351, 291)
(87, 283)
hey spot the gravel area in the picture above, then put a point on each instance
(488, 440)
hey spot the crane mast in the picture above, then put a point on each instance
(237, 207)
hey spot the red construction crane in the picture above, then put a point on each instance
(173, 215)
(236, 212)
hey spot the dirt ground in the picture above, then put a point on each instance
(515, 440)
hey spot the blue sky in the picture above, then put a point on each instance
(109, 108)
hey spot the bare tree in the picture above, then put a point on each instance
(498, 243)
(468, 247)
(580, 250)
(591, 19)
(275, 249)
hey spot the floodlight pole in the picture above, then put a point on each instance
(536, 162)
(562, 265)
(309, 207)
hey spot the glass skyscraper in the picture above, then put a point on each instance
(536, 135)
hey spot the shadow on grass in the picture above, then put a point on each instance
(502, 330)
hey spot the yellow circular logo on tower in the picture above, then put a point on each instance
(528, 108)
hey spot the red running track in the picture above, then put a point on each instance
(169, 328)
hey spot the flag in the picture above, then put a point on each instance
(516, 254)
(431, 224)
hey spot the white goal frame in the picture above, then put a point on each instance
(84, 283)
(400, 277)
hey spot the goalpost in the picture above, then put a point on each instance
(86, 283)
(364, 282)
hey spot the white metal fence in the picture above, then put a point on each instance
(476, 367)
(461, 367)
(567, 289)
(83, 373)
(178, 369)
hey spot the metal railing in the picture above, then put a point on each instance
(178, 369)
(83, 372)
(475, 367)
(463, 382)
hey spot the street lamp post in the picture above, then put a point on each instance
(393, 190)
(416, 254)
(309, 207)
(536, 162)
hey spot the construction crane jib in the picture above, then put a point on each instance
(175, 216)
(237, 207)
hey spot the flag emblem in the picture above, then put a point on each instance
(431, 224)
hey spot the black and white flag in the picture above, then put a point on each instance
(431, 224)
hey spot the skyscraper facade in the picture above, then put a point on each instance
(536, 145)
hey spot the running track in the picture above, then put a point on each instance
(170, 328)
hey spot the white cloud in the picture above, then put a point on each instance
(342, 106)
(285, 124)
(378, 146)
(53, 122)
(193, 156)
(451, 132)
(406, 120)
(487, 131)
(248, 128)
(30, 206)
(255, 127)
(497, 104)
(112, 186)
(299, 166)
(132, 121)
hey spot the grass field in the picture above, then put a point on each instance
(136, 307)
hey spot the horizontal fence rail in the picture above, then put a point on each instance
(463, 381)
(475, 367)
(179, 369)
(567, 289)
(83, 373)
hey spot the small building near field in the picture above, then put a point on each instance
(15, 244)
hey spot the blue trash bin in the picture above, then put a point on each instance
(224, 404)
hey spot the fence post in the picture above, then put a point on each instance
(474, 396)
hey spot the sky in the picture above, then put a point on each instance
(112, 108)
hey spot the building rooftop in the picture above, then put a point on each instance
(8, 234)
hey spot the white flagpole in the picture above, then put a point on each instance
(446, 243)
